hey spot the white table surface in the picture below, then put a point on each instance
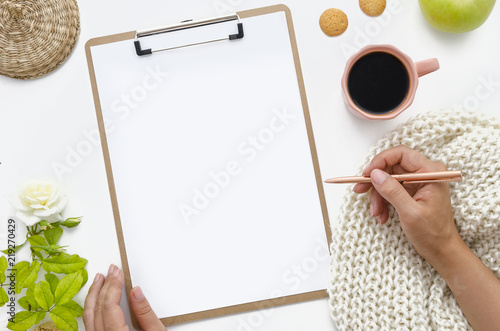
(46, 123)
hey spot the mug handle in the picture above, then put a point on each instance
(426, 66)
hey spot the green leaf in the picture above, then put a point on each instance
(85, 276)
(40, 315)
(27, 276)
(13, 250)
(75, 309)
(72, 222)
(52, 249)
(64, 263)
(37, 241)
(38, 255)
(68, 287)
(23, 302)
(53, 281)
(23, 320)
(52, 235)
(30, 297)
(21, 265)
(63, 318)
(4, 298)
(3, 267)
(3, 264)
(43, 295)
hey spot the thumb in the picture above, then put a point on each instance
(143, 311)
(391, 190)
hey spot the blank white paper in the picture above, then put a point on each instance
(212, 166)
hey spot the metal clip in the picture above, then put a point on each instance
(187, 25)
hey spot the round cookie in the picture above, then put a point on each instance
(49, 326)
(333, 22)
(372, 7)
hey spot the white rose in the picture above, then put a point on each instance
(39, 200)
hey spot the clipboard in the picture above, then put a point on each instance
(251, 231)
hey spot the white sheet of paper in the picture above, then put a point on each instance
(213, 170)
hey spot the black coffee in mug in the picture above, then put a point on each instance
(378, 82)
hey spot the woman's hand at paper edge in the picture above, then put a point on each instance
(102, 310)
(143, 312)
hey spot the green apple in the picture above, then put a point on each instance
(456, 15)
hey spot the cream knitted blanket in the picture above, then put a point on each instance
(378, 281)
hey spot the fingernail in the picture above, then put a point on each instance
(97, 278)
(364, 170)
(378, 176)
(139, 296)
(111, 269)
(116, 272)
(371, 210)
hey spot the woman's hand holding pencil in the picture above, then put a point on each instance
(426, 217)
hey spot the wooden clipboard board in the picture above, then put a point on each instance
(260, 304)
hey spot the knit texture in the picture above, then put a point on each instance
(378, 281)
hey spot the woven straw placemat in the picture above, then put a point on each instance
(36, 36)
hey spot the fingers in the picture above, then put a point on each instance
(361, 188)
(392, 191)
(395, 160)
(91, 301)
(400, 159)
(376, 203)
(102, 306)
(98, 310)
(143, 311)
(113, 317)
(384, 216)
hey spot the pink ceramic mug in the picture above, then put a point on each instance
(380, 81)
